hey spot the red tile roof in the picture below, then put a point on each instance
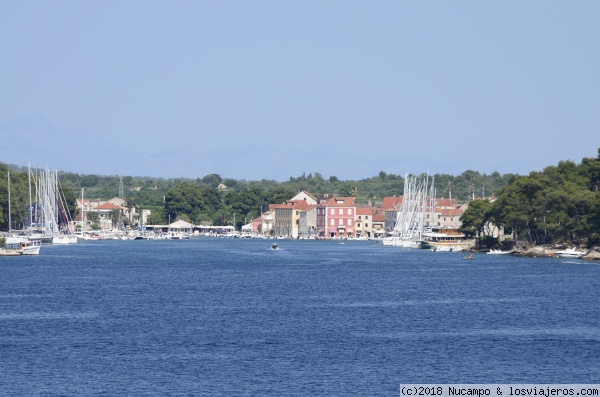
(338, 202)
(364, 211)
(445, 203)
(378, 218)
(450, 211)
(107, 206)
(391, 203)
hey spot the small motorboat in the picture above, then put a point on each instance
(498, 252)
(275, 247)
(569, 253)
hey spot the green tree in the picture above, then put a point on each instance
(115, 218)
(556, 204)
(182, 199)
(245, 203)
(197, 203)
(476, 217)
(280, 194)
(155, 218)
(212, 180)
(92, 217)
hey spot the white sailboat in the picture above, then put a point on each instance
(411, 219)
(53, 215)
(20, 245)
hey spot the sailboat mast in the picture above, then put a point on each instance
(451, 205)
(82, 212)
(30, 201)
(121, 196)
(9, 217)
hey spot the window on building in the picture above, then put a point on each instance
(366, 225)
(332, 223)
(349, 223)
(332, 211)
(341, 211)
(359, 217)
(349, 211)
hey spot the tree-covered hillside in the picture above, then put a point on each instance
(559, 204)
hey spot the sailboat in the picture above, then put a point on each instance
(410, 220)
(51, 209)
(19, 245)
(447, 238)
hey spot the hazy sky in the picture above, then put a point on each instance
(271, 89)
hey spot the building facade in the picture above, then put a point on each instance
(340, 215)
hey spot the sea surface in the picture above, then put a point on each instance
(231, 317)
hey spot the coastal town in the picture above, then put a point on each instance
(418, 218)
(305, 215)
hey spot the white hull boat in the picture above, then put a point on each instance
(20, 246)
(64, 239)
(400, 242)
(498, 252)
(569, 253)
(447, 240)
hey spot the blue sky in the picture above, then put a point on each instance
(272, 89)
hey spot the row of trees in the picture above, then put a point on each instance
(205, 204)
(559, 204)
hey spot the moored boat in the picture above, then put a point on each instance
(62, 239)
(499, 252)
(446, 240)
(20, 246)
(569, 253)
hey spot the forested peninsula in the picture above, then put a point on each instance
(559, 204)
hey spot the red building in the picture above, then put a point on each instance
(337, 216)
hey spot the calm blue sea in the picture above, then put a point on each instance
(230, 317)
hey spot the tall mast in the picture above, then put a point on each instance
(30, 201)
(9, 218)
(121, 194)
(82, 212)
(451, 205)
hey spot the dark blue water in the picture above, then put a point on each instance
(231, 317)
